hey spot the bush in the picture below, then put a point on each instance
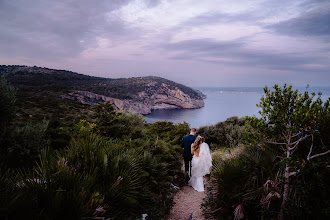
(227, 134)
(167, 130)
(24, 145)
(117, 124)
(237, 185)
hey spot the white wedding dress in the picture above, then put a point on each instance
(200, 167)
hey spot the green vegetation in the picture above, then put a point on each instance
(64, 160)
(282, 170)
(227, 134)
(237, 187)
(97, 163)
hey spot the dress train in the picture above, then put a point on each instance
(200, 167)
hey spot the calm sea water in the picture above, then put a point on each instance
(220, 104)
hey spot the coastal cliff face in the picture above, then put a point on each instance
(154, 97)
(90, 98)
(136, 94)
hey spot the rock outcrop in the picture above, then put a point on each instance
(153, 97)
(91, 98)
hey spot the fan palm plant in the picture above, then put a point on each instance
(238, 183)
(92, 177)
(12, 199)
(58, 191)
(119, 175)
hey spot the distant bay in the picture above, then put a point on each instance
(220, 104)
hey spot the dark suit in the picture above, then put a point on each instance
(186, 145)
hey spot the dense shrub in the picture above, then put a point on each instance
(167, 130)
(226, 134)
(237, 185)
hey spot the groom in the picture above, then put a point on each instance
(186, 145)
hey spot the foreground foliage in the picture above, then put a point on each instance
(237, 184)
(97, 176)
(111, 164)
(292, 182)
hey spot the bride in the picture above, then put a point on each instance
(201, 163)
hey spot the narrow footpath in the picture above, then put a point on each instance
(186, 202)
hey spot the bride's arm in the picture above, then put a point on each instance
(192, 150)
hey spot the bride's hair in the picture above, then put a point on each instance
(196, 146)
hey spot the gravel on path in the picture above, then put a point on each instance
(187, 201)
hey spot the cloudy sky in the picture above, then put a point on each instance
(194, 42)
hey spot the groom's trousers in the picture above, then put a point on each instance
(187, 165)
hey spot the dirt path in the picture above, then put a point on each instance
(187, 201)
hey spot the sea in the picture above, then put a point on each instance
(222, 103)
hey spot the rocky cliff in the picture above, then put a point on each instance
(155, 97)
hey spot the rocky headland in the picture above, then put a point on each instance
(136, 94)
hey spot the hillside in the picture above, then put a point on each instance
(138, 94)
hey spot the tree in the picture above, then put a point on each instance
(289, 119)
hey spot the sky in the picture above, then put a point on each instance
(193, 42)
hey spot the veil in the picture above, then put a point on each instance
(202, 163)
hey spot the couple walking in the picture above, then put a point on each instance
(197, 159)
